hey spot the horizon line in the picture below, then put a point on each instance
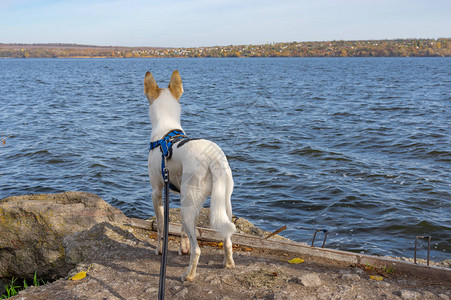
(229, 45)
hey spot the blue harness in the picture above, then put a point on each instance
(165, 145)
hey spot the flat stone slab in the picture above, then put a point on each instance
(125, 266)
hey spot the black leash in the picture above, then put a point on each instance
(165, 145)
(166, 233)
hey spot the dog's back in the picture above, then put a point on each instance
(205, 171)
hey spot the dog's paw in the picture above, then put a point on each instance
(229, 264)
(183, 252)
(187, 276)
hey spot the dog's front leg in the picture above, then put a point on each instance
(157, 200)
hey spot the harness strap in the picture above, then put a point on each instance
(186, 141)
(167, 141)
(165, 145)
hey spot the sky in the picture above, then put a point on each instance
(196, 23)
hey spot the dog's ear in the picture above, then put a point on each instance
(151, 89)
(175, 85)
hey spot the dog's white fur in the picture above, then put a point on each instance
(199, 168)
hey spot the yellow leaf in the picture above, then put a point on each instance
(220, 244)
(375, 277)
(78, 276)
(296, 260)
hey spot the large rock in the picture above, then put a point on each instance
(33, 228)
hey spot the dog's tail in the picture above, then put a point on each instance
(221, 192)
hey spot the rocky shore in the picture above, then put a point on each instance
(59, 235)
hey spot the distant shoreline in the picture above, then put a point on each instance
(369, 48)
(281, 57)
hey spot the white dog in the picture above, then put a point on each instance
(198, 168)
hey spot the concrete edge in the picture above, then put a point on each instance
(208, 234)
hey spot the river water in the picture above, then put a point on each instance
(358, 146)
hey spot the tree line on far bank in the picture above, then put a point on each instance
(370, 48)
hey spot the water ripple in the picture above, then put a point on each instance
(358, 146)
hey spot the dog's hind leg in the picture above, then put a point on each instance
(228, 254)
(157, 200)
(189, 216)
(184, 243)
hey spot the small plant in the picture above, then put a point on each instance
(36, 280)
(12, 289)
(388, 270)
(385, 271)
(369, 267)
